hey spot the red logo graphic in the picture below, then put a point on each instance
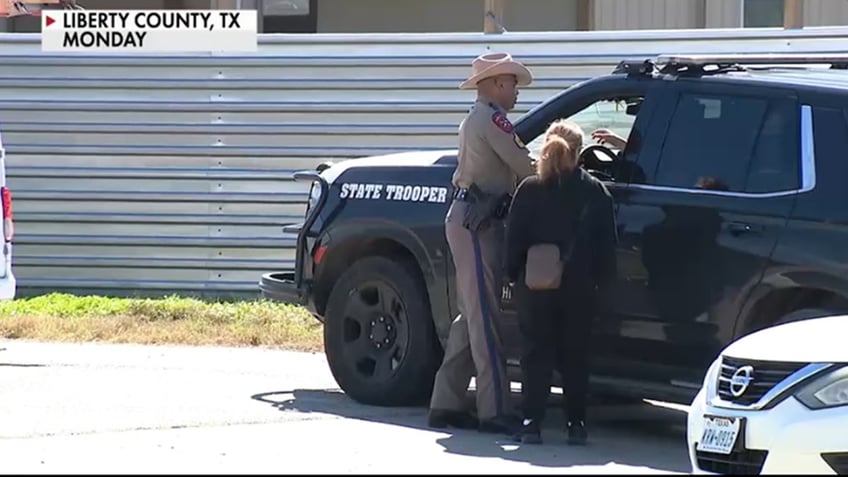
(502, 122)
(48, 20)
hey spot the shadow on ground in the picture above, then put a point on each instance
(639, 435)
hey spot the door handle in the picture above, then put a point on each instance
(739, 228)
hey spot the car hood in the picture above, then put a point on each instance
(403, 159)
(813, 340)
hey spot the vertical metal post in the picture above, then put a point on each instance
(260, 16)
(493, 15)
(701, 14)
(585, 15)
(793, 14)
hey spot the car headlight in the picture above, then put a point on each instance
(826, 391)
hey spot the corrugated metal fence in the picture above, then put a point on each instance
(164, 174)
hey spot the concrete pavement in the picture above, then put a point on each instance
(95, 408)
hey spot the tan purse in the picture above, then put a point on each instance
(544, 267)
(545, 264)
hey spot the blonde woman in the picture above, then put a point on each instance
(563, 205)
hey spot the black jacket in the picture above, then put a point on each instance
(547, 213)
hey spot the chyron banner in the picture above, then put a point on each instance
(14, 8)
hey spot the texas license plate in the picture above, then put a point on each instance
(719, 435)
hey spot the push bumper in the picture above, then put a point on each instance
(282, 287)
(291, 286)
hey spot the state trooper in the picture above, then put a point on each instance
(492, 161)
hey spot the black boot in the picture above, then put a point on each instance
(441, 418)
(530, 432)
(506, 424)
(577, 435)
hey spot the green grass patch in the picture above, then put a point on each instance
(169, 320)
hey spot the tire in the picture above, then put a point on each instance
(381, 351)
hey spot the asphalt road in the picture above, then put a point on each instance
(92, 408)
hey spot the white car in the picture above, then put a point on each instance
(775, 401)
(8, 284)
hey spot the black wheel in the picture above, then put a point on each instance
(379, 337)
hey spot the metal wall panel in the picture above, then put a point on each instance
(648, 14)
(408, 16)
(825, 12)
(723, 13)
(163, 173)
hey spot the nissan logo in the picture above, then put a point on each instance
(740, 380)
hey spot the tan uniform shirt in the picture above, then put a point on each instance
(491, 155)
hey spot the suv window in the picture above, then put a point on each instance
(776, 163)
(731, 143)
(604, 114)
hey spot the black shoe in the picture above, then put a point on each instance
(508, 425)
(577, 435)
(530, 432)
(440, 419)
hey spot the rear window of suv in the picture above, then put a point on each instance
(732, 143)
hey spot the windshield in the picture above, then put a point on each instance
(610, 115)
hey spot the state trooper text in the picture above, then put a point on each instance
(397, 192)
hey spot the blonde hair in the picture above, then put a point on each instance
(563, 141)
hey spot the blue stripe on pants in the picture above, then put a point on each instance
(487, 321)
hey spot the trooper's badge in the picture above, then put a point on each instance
(518, 141)
(502, 122)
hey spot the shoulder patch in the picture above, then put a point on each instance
(502, 122)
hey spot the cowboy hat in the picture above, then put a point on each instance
(494, 64)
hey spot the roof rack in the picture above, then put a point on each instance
(635, 67)
(701, 65)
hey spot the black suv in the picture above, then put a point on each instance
(732, 211)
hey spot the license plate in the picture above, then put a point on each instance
(720, 434)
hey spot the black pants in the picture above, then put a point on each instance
(556, 331)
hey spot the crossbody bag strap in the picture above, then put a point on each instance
(576, 229)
